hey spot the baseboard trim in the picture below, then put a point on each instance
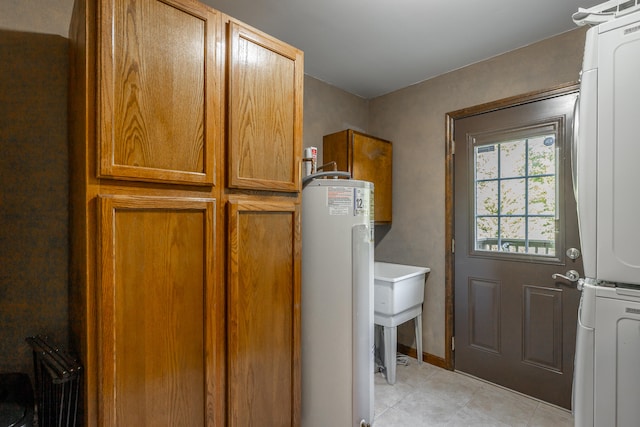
(426, 357)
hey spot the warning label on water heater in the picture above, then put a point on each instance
(339, 199)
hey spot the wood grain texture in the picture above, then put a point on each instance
(264, 314)
(264, 111)
(368, 159)
(156, 309)
(335, 148)
(372, 161)
(82, 266)
(157, 354)
(160, 91)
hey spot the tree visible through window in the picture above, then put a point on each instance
(515, 196)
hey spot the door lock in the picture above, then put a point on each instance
(572, 276)
(573, 253)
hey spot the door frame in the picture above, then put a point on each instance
(450, 118)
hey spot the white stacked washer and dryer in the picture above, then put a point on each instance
(606, 161)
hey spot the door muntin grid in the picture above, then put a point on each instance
(515, 195)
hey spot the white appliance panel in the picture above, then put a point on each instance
(607, 177)
(618, 233)
(363, 325)
(617, 345)
(337, 303)
(607, 152)
(584, 168)
(582, 396)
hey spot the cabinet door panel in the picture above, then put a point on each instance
(158, 310)
(159, 103)
(265, 111)
(264, 314)
(371, 161)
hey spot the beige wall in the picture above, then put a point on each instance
(34, 215)
(328, 109)
(36, 16)
(414, 119)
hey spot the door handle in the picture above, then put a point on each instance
(572, 276)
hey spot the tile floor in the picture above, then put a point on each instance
(425, 395)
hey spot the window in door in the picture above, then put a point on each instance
(515, 200)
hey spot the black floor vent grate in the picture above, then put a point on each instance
(58, 377)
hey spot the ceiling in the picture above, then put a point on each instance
(373, 47)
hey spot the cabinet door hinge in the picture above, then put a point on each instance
(453, 246)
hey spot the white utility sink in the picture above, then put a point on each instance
(397, 288)
(398, 297)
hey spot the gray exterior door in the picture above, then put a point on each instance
(515, 221)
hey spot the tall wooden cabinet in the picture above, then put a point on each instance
(367, 158)
(185, 128)
(262, 196)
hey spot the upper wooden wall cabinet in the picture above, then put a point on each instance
(367, 158)
(265, 110)
(159, 79)
(186, 144)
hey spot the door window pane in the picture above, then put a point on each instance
(487, 162)
(542, 231)
(512, 200)
(515, 200)
(487, 232)
(512, 159)
(513, 233)
(542, 155)
(487, 197)
(542, 195)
